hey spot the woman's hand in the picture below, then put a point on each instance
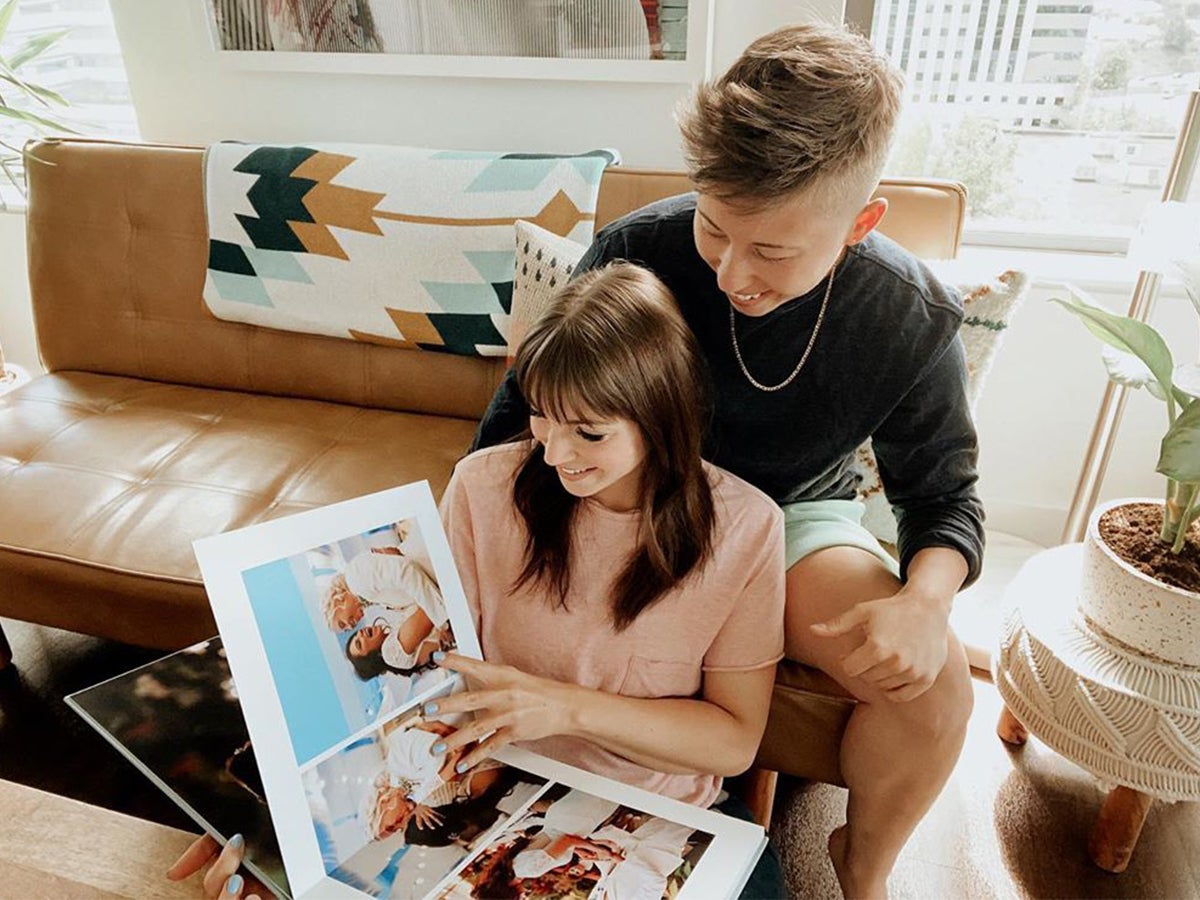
(222, 879)
(509, 704)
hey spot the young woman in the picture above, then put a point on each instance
(391, 644)
(628, 596)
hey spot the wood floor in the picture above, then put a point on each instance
(1009, 824)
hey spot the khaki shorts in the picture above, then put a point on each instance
(816, 524)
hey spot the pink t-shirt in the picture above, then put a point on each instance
(728, 617)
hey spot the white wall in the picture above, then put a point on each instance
(1035, 415)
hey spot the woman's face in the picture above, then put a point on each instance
(594, 457)
(367, 639)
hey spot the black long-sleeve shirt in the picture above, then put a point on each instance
(887, 365)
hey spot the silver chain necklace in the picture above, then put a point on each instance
(807, 350)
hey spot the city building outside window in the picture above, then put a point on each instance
(85, 67)
(1118, 73)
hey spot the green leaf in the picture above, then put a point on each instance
(1127, 335)
(7, 74)
(1180, 456)
(35, 47)
(7, 9)
(29, 118)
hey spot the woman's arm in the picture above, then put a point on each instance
(716, 734)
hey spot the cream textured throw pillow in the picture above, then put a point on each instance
(988, 307)
(545, 262)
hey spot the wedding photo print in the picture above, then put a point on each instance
(349, 629)
(393, 818)
(572, 844)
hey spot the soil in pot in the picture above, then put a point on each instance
(1131, 531)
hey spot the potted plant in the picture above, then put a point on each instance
(1141, 579)
(13, 85)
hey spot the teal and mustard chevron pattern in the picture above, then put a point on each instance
(400, 246)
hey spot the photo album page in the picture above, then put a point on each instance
(328, 621)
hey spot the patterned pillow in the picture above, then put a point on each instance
(545, 262)
(400, 246)
(988, 308)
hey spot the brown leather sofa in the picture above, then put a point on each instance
(157, 424)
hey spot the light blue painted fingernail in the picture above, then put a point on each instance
(438, 656)
(438, 749)
(237, 841)
(461, 767)
(430, 708)
(233, 886)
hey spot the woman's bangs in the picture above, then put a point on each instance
(561, 385)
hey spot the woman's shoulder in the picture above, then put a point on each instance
(740, 503)
(491, 469)
(492, 463)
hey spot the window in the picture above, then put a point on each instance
(1114, 74)
(84, 67)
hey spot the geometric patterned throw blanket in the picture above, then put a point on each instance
(401, 246)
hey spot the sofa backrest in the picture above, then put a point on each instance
(117, 256)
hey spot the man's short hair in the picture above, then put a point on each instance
(804, 108)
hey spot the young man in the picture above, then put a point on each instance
(820, 333)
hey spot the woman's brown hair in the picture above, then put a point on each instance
(613, 344)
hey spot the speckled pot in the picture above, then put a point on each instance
(1141, 613)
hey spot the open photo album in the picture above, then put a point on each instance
(303, 728)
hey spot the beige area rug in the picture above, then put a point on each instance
(1008, 824)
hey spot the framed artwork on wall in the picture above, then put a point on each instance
(589, 40)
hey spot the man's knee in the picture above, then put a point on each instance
(945, 708)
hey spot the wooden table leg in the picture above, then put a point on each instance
(1118, 827)
(1010, 729)
(758, 793)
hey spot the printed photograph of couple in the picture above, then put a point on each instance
(571, 844)
(393, 818)
(349, 629)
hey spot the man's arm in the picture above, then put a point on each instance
(506, 417)
(927, 450)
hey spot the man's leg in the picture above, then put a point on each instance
(895, 756)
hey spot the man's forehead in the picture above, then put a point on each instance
(789, 224)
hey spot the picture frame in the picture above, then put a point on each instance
(695, 64)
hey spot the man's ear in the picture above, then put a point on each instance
(866, 220)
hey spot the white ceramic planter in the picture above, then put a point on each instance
(1139, 612)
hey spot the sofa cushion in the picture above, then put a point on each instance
(115, 478)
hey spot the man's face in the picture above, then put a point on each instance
(765, 258)
(395, 811)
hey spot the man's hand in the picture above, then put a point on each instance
(509, 705)
(427, 817)
(904, 642)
